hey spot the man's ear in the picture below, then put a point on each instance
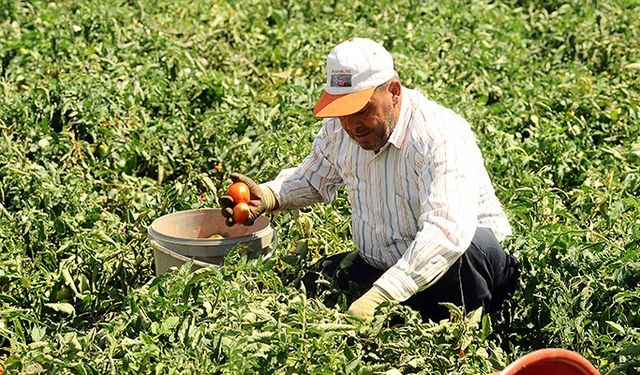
(395, 89)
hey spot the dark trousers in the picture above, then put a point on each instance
(484, 276)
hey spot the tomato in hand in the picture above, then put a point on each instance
(239, 192)
(240, 213)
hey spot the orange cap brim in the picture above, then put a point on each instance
(342, 105)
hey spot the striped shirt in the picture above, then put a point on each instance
(416, 203)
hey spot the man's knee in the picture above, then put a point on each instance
(493, 272)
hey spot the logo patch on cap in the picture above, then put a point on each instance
(341, 80)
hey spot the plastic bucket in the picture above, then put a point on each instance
(185, 235)
(550, 362)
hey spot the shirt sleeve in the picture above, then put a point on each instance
(448, 219)
(315, 180)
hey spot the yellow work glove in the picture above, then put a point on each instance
(364, 306)
(262, 200)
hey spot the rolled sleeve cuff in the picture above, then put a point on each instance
(398, 284)
(276, 186)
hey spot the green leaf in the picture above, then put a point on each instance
(65, 308)
(616, 327)
(169, 323)
(290, 259)
(37, 333)
(486, 326)
(632, 350)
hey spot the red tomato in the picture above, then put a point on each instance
(239, 192)
(240, 213)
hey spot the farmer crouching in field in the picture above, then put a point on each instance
(425, 218)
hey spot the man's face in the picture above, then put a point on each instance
(372, 126)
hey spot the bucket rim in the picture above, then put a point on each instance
(551, 355)
(178, 240)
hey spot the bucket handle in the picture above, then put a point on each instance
(156, 245)
(273, 247)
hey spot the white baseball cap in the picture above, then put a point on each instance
(355, 68)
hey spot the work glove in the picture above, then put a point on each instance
(364, 306)
(261, 200)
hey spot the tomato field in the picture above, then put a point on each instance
(114, 113)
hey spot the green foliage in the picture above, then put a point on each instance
(114, 113)
(241, 319)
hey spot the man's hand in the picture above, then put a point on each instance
(364, 306)
(262, 200)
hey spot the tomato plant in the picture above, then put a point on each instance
(112, 114)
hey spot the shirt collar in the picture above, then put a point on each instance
(400, 131)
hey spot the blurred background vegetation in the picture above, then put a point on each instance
(113, 113)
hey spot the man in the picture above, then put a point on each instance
(425, 218)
